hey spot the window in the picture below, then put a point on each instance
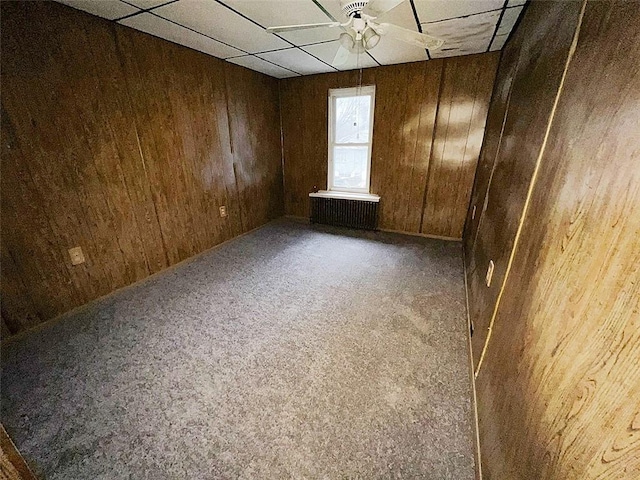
(350, 135)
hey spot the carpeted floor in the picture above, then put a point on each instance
(291, 352)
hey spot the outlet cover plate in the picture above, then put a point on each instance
(489, 273)
(77, 257)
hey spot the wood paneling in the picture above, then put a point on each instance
(559, 385)
(125, 145)
(492, 138)
(257, 150)
(406, 102)
(541, 46)
(12, 465)
(462, 111)
(405, 121)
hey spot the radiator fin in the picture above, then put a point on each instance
(341, 212)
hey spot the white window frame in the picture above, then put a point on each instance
(350, 92)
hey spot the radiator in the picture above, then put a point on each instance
(342, 212)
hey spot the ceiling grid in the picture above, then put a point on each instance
(234, 30)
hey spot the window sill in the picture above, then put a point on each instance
(365, 197)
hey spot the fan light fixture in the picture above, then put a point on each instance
(347, 41)
(370, 38)
(361, 32)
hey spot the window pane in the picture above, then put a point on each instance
(352, 119)
(350, 167)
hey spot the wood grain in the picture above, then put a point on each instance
(492, 138)
(256, 145)
(12, 465)
(541, 45)
(404, 125)
(121, 143)
(467, 84)
(559, 387)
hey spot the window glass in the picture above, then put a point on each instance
(352, 119)
(350, 138)
(350, 167)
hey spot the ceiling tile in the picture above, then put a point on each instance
(402, 16)
(498, 42)
(464, 36)
(147, 3)
(255, 63)
(215, 20)
(109, 9)
(327, 51)
(232, 29)
(390, 51)
(333, 8)
(437, 10)
(289, 12)
(297, 60)
(162, 28)
(509, 20)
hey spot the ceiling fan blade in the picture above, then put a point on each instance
(375, 8)
(291, 28)
(411, 37)
(342, 56)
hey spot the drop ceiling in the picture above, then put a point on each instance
(234, 30)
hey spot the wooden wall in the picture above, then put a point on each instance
(12, 465)
(428, 124)
(529, 76)
(125, 145)
(559, 383)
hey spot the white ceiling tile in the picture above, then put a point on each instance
(288, 12)
(327, 51)
(215, 20)
(508, 20)
(162, 28)
(402, 16)
(437, 10)
(498, 42)
(333, 8)
(297, 60)
(464, 36)
(233, 28)
(255, 63)
(109, 9)
(147, 3)
(390, 51)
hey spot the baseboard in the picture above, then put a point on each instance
(11, 462)
(401, 232)
(476, 450)
(298, 219)
(424, 235)
(51, 321)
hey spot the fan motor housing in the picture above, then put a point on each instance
(352, 8)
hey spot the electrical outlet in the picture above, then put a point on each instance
(223, 211)
(77, 257)
(473, 213)
(489, 273)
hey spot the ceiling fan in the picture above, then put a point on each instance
(362, 33)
